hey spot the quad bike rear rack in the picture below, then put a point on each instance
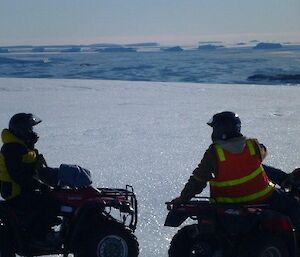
(210, 202)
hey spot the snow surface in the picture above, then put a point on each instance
(149, 134)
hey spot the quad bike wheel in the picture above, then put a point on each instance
(112, 240)
(264, 246)
(186, 243)
(6, 247)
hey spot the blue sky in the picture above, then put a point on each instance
(131, 21)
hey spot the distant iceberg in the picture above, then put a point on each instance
(173, 49)
(254, 41)
(117, 49)
(267, 46)
(209, 47)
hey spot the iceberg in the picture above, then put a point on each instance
(267, 46)
(209, 47)
(173, 49)
(118, 50)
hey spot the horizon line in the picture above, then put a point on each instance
(147, 43)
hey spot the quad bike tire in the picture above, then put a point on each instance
(186, 243)
(6, 247)
(111, 240)
(264, 246)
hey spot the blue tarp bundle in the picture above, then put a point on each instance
(73, 176)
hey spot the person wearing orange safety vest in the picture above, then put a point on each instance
(232, 166)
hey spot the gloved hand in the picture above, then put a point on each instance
(44, 188)
(177, 200)
(41, 162)
(292, 178)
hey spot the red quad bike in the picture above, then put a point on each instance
(92, 222)
(231, 230)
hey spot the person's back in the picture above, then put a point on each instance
(240, 177)
(231, 165)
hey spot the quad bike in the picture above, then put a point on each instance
(231, 230)
(92, 222)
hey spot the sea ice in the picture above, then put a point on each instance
(149, 134)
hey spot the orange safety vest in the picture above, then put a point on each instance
(241, 177)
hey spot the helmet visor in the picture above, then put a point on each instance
(34, 120)
(210, 122)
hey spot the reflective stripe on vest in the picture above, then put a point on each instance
(220, 153)
(250, 147)
(246, 198)
(235, 182)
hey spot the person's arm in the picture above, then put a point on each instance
(48, 175)
(277, 176)
(205, 171)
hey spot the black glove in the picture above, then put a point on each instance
(44, 188)
(41, 162)
(292, 178)
(48, 176)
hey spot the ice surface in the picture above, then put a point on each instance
(147, 134)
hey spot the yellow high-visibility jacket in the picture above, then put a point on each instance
(17, 166)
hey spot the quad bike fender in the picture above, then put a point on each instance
(175, 218)
(275, 222)
(279, 224)
(86, 220)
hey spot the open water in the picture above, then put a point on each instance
(240, 65)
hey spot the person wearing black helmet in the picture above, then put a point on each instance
(232, 165)
(229, 165)
(20, 163)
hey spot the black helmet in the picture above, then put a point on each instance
(225, 125)
(21, 125)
